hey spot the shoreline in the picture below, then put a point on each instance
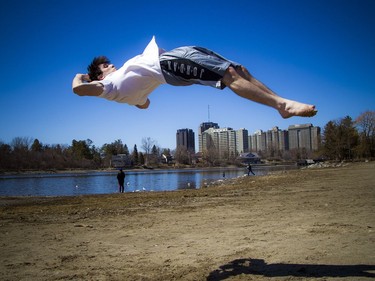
(326, 164)
(114, 170)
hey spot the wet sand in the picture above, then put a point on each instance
(311, 224)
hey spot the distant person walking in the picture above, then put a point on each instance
(249, 170)
(121, 180)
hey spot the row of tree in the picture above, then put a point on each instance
(348, 139)
(30, 154)
(343, 139)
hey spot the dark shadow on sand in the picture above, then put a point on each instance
(258, 267)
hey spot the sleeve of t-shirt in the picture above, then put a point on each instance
(107, 86)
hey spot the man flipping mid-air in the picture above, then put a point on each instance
(139, 76)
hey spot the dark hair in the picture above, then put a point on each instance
(94, 70)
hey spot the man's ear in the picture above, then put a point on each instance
(101, 76)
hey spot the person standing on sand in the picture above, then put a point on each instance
(139, 76)
(121, 180)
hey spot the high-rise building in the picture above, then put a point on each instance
(276, 140)
(283, 140)
(227, 142)
(222, 140)
(232, 143)
(271, 141)
(304, 136)
(253, 143)
(186, 138)
(242, 141)
(203, 127)
(315, 138)
(261, 140)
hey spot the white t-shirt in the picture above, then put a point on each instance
(136, 79)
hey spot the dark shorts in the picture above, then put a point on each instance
(194, 65)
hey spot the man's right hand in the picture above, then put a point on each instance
(82, 78)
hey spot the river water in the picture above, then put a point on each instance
(70, 184)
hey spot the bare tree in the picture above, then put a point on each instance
(21, 143)
(147, 144)
(182, 155)
(366, 126)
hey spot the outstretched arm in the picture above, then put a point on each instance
(83, 86)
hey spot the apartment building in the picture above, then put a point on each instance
(242, 141)
(304, 136)
(186, 139)
(223, 140)
(203, 127)
(228, 142)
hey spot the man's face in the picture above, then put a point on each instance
(106, 68)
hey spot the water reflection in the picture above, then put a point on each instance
(104, 183)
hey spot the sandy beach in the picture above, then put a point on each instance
(310, 224)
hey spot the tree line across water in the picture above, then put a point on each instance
(25, 153)
(342, 139)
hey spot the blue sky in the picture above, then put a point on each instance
(319, 52)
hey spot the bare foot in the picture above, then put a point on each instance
(293, 108)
